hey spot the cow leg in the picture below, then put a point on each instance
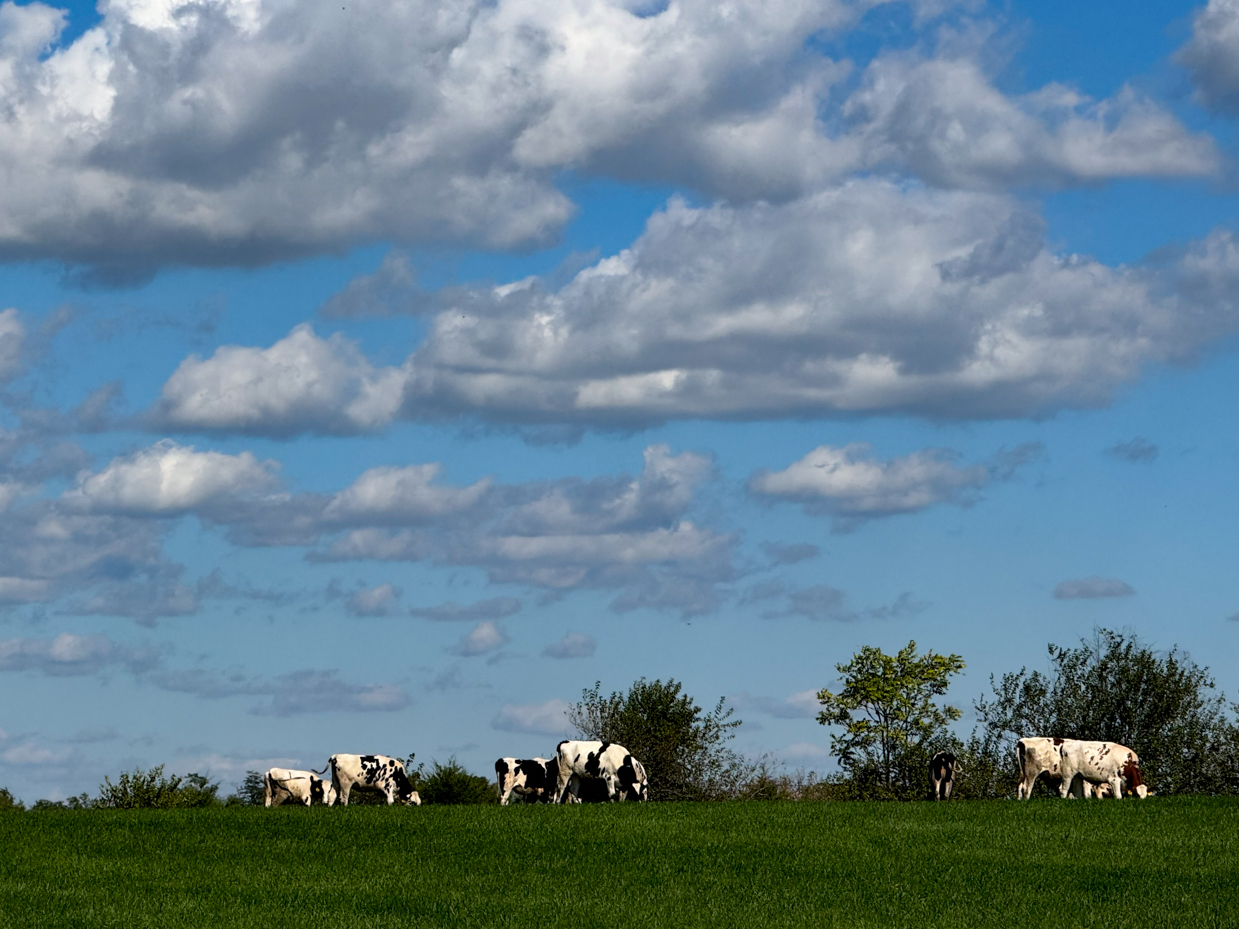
(266, 791)
(343, 792)
(564, 782)
(1116, 787)
(946, 788)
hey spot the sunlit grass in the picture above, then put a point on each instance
(1163, 862)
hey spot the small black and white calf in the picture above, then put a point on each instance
(287, 785)
(372, 772)
(526, 780)
(608, 762)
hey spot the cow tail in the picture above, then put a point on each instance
(325, 767)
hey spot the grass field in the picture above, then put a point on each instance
(1165, 862)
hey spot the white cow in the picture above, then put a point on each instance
(1037, 755)
(372, 772)
(532, 780)
(1088, 765)
(621, 773)
(284, 785)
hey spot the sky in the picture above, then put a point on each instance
(376, 379)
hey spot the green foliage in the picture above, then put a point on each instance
(252, 792)
(451, 784)
(8, 802)
(1113, 687)
(682, 747)
(152, 790)
(891, 726)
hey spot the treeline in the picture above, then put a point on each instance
(887, 720)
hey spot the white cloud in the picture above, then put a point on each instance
(484, 637)
(374, 601)
(69, 654)
(1091, 588)
(804, 752)
(572, 645)
(549, 718)
(300, 384)
(850, 482)
(801, 705)
(945, 122)
(298, 692)
(31, 754)
(868, 298)
(12, 341)
(400, 496)
(1211, 56)
(169, 480)
(494, 608)
(24, 590)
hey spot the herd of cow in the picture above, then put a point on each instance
(603, 769)
(609, 772)
(1074, 767)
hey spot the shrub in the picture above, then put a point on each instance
(450, 783)
(152, 790)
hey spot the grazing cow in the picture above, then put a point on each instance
(623, 775)
(282, 785)
(530, 780)
(941, 776)
(1037, 755)
(372, 772)
(1087, 765)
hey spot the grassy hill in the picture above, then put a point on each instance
(1167, 861)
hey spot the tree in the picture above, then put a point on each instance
(1115, 688)
(682, 747)
(152, 790)
(889, 719)
(253, 790)
(8, 801)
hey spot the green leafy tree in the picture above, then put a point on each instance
(153, 790)
(450, 783)
(9, 802)
(682, 746)
(891, 724)
(253, 790)
(1113, 687)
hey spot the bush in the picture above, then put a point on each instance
(451, 784)
(152, 790)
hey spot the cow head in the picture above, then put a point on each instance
(633, 780)
(1132, 781)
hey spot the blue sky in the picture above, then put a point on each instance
(375, 380)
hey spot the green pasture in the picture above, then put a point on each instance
(1164, 862)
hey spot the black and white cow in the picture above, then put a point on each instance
(623, 775)
(941, 776)
(286, 785)
(528, 780)
(372, 772)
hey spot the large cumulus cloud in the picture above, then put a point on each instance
(244, 131)
(868, 298)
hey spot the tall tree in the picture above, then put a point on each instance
(1113, 687)
(889, 718)
(682, 746)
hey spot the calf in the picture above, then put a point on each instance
(941, 776)
(1088, 765)
(531, 780)
(623, 775)
(372, 772)
(283, 785)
